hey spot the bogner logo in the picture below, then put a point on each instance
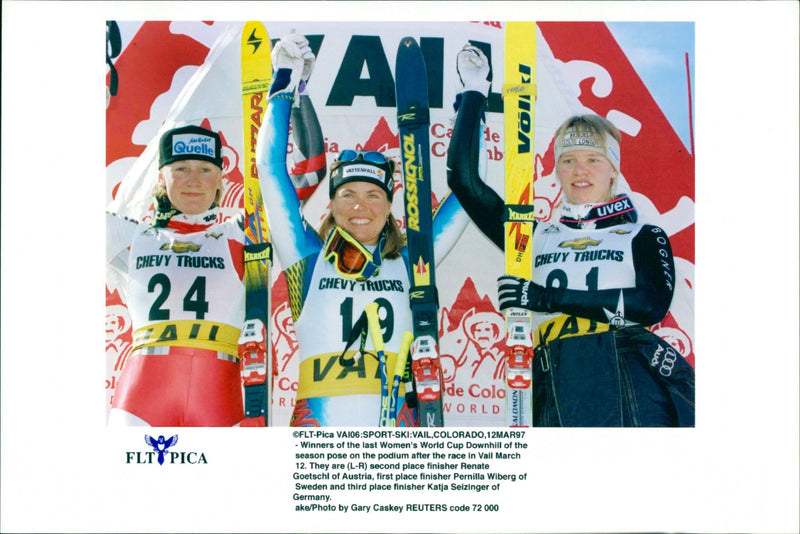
(160, 453)
(411, 171)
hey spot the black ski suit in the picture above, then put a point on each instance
(598, 280)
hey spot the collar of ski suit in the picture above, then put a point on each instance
(619, 210)
(184, 223)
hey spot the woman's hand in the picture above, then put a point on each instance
(292, 61)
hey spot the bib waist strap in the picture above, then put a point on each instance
(565, 326)
(207, 335)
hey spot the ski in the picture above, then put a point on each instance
(375, 333)
(519, 95)
(413, 121)
(397, 375)
(254, 342)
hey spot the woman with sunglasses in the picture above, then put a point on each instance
(356, 259)
(599, 278)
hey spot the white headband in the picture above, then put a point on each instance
(573, 139)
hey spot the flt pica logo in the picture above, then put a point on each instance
(159, 453)
(161, 445)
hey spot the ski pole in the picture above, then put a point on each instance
(375, 333)
(399, 370)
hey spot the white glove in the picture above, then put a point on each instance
(309, 60)
(289, 58)
(473, 69)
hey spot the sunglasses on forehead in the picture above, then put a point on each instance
(371, 156)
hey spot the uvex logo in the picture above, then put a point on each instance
(619, 206)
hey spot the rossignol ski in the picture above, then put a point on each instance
(519, 95)
(413, 121)
(254, 343)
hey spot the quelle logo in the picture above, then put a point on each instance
(160, 454)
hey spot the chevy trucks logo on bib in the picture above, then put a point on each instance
(193, 144)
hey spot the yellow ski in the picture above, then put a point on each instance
(254, 343)
(519, 95)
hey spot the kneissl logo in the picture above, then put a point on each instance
(159, 453)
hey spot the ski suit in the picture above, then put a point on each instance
(325, 305)
(600, 279)
(186, 300)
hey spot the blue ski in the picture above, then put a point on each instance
(413, 122)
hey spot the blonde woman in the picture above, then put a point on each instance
(600, 278)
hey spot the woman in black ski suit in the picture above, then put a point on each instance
(599, 278)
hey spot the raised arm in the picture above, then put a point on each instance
(119, 235)
(291, 237)
(482, 204)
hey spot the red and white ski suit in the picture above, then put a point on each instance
(186, 300)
